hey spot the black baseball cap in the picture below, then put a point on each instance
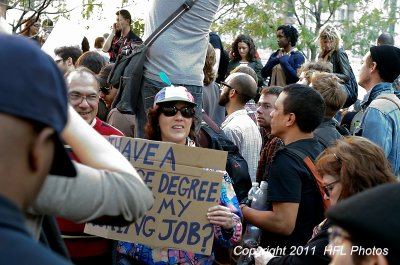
(32, 87)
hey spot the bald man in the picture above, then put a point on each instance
(236, 91)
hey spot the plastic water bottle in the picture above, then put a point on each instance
(251, 237)
(253, 190)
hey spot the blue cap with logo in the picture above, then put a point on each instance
(33, 88)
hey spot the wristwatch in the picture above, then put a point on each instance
(247, 201)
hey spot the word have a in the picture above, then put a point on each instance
(133, 150)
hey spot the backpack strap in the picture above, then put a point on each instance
(322, 141)
(391, 97)
(169, 21)
(210, 122)
(311, 168)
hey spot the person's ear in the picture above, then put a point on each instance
(69, 61)
(232, 93)
(42, 151)
(291, 120)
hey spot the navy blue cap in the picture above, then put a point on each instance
(32, 87)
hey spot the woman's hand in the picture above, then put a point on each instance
(220, 215)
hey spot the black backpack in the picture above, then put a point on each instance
(214, 138)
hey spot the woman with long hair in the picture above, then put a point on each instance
(172, 119)
(330, 51)
(32, 29)
(244, 52)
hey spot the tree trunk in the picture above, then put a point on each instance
(3, 8)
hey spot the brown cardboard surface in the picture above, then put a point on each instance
(185, 183)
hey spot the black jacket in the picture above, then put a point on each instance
(313, 253)
(342, 68)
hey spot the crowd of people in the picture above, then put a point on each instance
(57, 171)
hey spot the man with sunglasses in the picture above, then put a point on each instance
(238, 89)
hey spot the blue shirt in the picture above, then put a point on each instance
(16, 245)
(381, 123)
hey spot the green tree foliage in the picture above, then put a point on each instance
(259, 19)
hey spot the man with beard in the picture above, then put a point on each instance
(237, 89)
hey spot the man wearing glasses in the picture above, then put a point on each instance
(83, 95)
(66, 57)
(237, 89)
(366, 228)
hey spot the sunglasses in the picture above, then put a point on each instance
(105, 90)
(170, 111)
(329, 187)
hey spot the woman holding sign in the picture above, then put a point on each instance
(172, 119)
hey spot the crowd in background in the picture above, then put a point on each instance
(332, 173)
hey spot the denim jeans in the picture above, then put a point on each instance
(149, 90)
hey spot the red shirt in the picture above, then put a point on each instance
(81, 245)
(106, 129)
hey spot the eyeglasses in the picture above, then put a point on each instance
(187, 112)
(329, 187)
(264, 106)
(105, 90)
(76, 98)
(225, 84)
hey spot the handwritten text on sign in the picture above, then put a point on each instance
(183, 192)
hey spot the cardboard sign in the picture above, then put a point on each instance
(185, 184)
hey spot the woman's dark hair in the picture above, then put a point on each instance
(103, 75)
(251, 56)
(85, 44)
(92, 60)
(152, 128)
(290, 33)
